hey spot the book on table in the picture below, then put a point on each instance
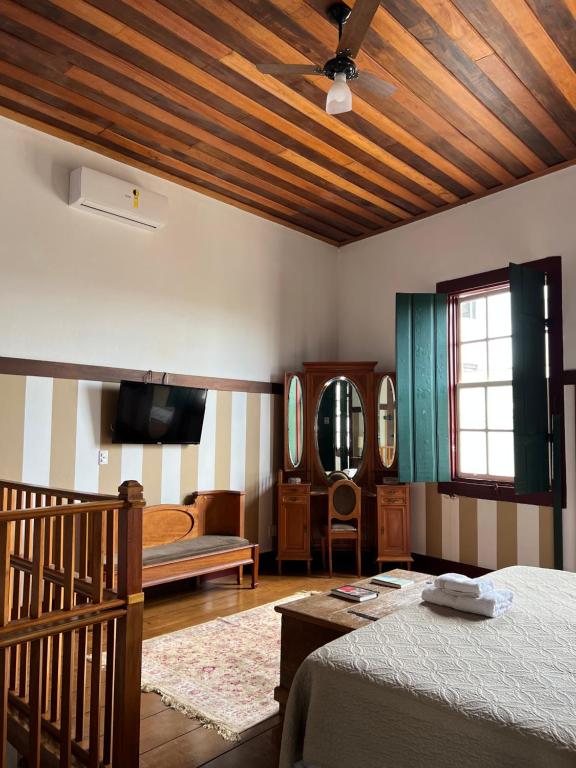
(355, 593)
(390, 581)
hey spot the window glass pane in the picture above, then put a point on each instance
(472, 408)
(500, 359)
(501, 454)
(472, 453)
(500, 408)
(499, 315)
(472, 319)
(473, 362)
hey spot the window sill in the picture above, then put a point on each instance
(493, 492)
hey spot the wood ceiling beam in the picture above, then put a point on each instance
(403, 74)
(238, 64)
(444, 92)
(461, 31)
(524, 61)
(486, 97)
(96, 54)
(434, 39)
(558, 21)
(100, 86)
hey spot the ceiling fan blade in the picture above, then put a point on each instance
(375, 84)
(289, 69)
(357, 25)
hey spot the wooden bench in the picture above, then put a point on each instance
(194, 539)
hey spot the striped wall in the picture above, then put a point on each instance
(53, 429)
(496, 534)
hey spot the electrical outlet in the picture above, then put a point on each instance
(102, 457)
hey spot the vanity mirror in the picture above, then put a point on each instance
(294, 420)
(386, 416)
(340, 427)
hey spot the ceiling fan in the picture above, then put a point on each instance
(352, 28)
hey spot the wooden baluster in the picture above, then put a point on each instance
(5, 535)
(25, 607)
(35, 685)
(82, 633)
(46, 604)
(56, 605)
(16, 588)
(129, 629)
(111, 516)
(67, 647)
(96, 569)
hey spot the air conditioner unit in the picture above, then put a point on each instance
(120, 200)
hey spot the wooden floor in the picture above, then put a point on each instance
(171, 740)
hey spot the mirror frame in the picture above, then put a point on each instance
(289, 465)
(323, 388)
(380, 378)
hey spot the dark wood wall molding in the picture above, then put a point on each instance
(17, 366)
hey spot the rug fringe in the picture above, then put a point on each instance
(207, 722)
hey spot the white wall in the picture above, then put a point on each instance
(530, 221)
(218, 292)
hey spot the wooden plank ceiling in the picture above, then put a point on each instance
(486, 96)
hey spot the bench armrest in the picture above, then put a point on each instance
(223, 512)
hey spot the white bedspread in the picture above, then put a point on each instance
(433, 688)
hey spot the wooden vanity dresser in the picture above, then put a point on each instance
(340, 422)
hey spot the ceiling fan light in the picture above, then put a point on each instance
(339, 97)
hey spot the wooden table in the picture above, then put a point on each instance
(312, 622)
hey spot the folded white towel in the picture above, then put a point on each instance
(459, 584)
(492, 604)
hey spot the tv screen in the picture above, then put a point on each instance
(159, 413)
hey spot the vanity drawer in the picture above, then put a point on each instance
(395, 495)
(294, 493)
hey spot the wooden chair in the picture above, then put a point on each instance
(344, 508)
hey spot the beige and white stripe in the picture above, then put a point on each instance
(53, 430)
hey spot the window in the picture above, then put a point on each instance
(483, 386)
(480, 382)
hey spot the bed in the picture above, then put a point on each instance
(432, 687)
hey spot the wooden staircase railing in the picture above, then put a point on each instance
(71, 611)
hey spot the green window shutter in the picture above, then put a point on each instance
(529, 384)
(422, 387)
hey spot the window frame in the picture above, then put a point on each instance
(498, 278)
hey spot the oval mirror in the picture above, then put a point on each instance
(340, 427)
(295, 421)
(387, 422)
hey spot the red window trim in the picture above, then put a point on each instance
(489, 489)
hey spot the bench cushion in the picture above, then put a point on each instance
(180, 550)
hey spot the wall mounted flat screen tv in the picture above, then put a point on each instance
(159, 413)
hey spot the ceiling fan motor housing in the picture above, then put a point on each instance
(341, 63)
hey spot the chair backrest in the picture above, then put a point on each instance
(344, 501)
(333, 477)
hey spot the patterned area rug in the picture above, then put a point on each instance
(223, 672)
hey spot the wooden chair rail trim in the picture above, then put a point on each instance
(56, 618)
(12, 516)
(63, 627)
(77, 371)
